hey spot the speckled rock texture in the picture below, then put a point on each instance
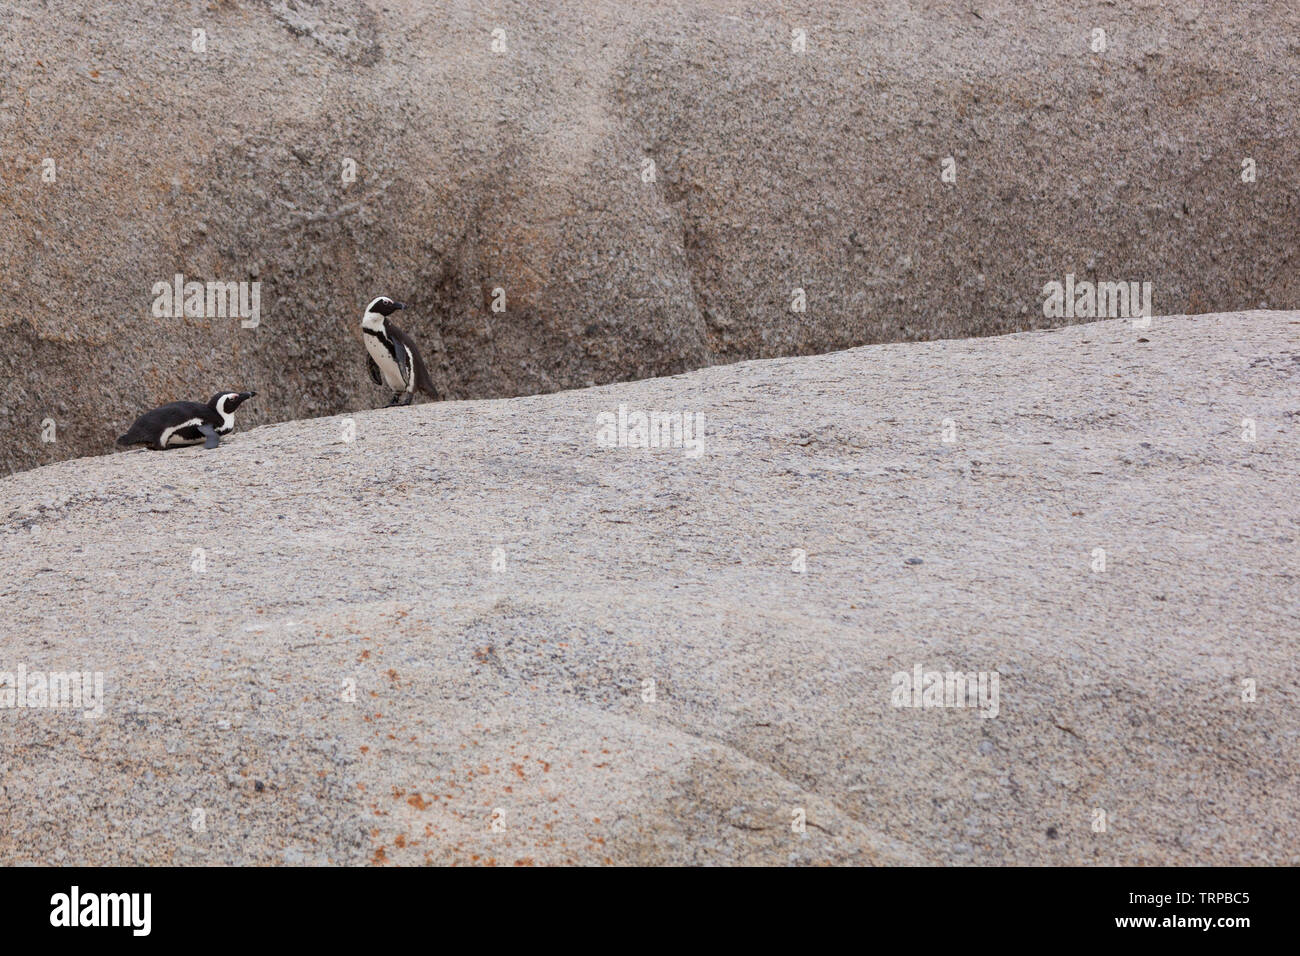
(525, 170)
(467, 632)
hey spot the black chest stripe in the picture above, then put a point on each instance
(388, 343)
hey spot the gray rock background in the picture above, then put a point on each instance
(519, 690)
(522, 170)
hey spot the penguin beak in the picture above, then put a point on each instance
(398, 305)
(245, 396)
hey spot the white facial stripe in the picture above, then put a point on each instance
(227, 418)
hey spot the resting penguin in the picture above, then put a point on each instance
(392, 357)
(187, 423)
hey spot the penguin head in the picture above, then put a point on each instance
(378, 308)
(223, 403)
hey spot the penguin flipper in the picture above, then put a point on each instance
(210, 433)
(403, 368)
(417, 367)
(375, 375)
(397, 345)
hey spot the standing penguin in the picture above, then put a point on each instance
(392, 357)
(186, 423)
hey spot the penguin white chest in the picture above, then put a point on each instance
(387, 367)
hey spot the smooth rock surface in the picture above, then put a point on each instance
(520, 691)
